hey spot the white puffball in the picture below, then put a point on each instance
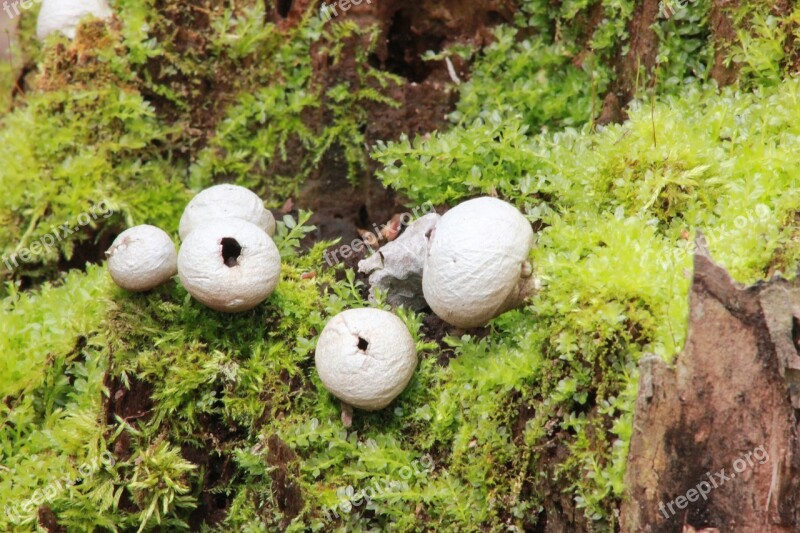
(477, 264)
(142, 258)
(226, 201)
(64, 15)
(366, 357)
(229, 264)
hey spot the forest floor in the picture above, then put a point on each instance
(620, 129)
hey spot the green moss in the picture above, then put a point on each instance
(494, 421)
(64, 180)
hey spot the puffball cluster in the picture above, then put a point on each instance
(366, 357)
(227, 261)
(477, 263)
(229, 264)
(64, 15)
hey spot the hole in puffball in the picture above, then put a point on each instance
(363, 344)
(231, 250)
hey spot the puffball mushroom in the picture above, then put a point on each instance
(229, 264)
(226, 201)
(477, 263)
(366, 357)
(64, 15)
(142, 258)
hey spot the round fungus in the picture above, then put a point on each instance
(64, 15)
(142, 258)
(229, 264)
(366, 357)
(226, 201)
(477, 263)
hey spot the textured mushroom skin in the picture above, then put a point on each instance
(142, 258)
(366, 378)
(226, 201)
(477, 264)
(229, 289)
(64, 15)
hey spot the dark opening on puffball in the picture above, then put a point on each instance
(231, 250)
(363, 344)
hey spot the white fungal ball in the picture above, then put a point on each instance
(226, 201)
(142, 258)
(64, 15)
(229, 264)
(366, 357)
(477, 264)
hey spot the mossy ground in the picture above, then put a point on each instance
(220, 422)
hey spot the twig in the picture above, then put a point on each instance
(452, 71)
(653, 104)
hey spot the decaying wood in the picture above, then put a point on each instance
(715, 436)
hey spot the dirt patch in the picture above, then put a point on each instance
(90, 249)
(48, 521)
(723, 32)
(218, 470)
(559, 511)
(642, 51)
(130, 404)
(425, 96)
(134, 405)
(285, 491)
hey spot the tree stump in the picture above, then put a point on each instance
(715, 443)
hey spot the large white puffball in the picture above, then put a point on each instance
(226, 201)
(477, 264)
(229, 264)
(142, 258)
(366, 357)
(64, 15)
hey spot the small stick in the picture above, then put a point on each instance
(347, 415)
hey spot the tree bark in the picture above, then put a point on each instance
(715, 441)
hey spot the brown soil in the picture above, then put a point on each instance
(642, 52)
(133, 405)
(285, 490)
(724, 34)
(219, 469)
(49, 522)
(130, 404)
(425, 96)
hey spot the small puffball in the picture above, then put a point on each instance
(64, 15)
(477, 264)
(229, 264)
(226, 201)
(142, 258)
(366, 357)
